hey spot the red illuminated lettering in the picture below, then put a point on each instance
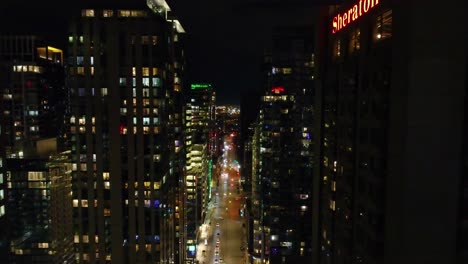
(343, 19)
(340, 22)
(360, 7)
(366, 6)
(335, 25)
(277, 90)
(355, 12)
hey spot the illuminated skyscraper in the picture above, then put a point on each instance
(33, 104)
(393, 143)
(125, 78)
(39, 206)
(33, 92)
(200, 113)
(282, 151)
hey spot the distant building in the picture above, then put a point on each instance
(282, 152)
(393, 142)
(199, 124)
(125, 69)
(227, 122)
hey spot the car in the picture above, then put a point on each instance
(220, 260)
(217, 224)
(216, 261)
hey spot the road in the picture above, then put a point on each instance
(225, 229)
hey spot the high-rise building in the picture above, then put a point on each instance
(39, 206)
(33, 93)
(199, 116)
(199, 125)
(33, 105)
(282, 152)
(125, 70)
(172, 239)
(393, 156)
(3, 219)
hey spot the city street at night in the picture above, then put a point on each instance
(233, 131)
(225, 228)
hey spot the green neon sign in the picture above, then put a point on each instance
(195, 86)
(210, 176)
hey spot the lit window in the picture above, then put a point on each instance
(354, 41)
(87, 13)
(80, 70)
(137, 13)
(104, 91)
(383, 26)
(107, 13)
(156, 82)
(145, 71)
(122, 81)
(123, 13)
(337, 48)
(145, 82)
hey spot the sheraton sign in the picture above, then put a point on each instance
(341, 20)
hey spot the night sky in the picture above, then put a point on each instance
(225, 38)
